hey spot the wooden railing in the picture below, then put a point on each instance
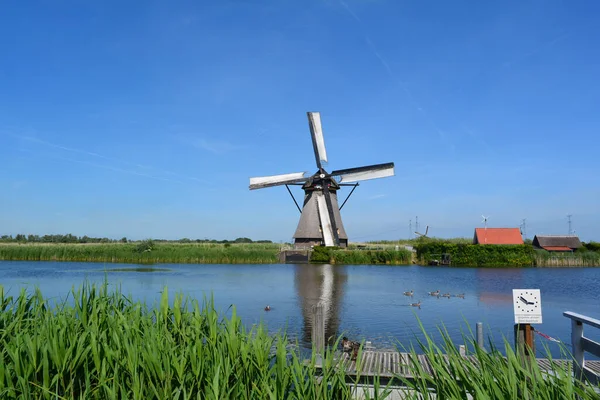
(582, 344)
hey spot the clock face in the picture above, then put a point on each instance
(527, 302)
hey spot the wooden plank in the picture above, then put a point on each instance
(387, 364)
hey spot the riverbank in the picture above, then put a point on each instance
(149, 252)
(525, 255)
(101, 344)
(146, 252)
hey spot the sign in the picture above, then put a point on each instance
(528, 306)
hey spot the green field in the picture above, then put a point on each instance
(102, 345)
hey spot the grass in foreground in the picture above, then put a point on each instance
(102, 345)
(490, 375)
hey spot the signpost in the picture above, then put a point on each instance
(527, 305)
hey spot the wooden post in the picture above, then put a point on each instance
(318, 328)
(479, 331)
(524, 340)
(577, 346)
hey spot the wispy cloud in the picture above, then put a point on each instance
(113, 163)
(215, 146)
(377, 196)
(107, 167)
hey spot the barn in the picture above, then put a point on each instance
(556, 242)
(497, 236)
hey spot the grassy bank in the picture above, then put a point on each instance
(332, 255)
(477, 255)
(471, 255)
(146, 252)
(149, 252)
(103, 345)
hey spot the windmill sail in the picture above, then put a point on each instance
(365, 173)
(275, 180)
(325, 220)
(316, 132)
(320, 220)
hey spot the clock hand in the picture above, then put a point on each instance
(523, 300)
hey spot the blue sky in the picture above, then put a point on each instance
(146, 119)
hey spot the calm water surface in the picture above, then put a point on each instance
(363, 302)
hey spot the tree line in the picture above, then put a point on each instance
(69, 238)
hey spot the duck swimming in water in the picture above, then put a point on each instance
(462, 295)
(446, 295)
(408, 293)
(416, 304)
(436, 293)
(268, 308)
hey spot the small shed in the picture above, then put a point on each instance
(556, 242)
(497, 236)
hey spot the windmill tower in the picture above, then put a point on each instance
(320, 219)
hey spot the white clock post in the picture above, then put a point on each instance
(527, 305)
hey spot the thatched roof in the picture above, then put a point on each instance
(543, 241)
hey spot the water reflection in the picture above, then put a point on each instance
(490, 288)
(320, 283)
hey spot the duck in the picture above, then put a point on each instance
(409, 293)
(268, 308)
(416, 304)
(446, 295)
(436, 293)
(350, 347)
(462, 295)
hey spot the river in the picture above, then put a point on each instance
(364, 302)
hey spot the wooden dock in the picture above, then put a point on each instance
(390, 364)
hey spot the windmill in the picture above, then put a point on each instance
(320, 218)
(421, 235)
(485, 220)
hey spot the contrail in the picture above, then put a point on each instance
(107, 167)
(391, 74)
(89, 153)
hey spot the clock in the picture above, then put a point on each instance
(527, 306)
(527, 302)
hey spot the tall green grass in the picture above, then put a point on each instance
(332, 255)
(489, 374)
(102, 345)
(132, 253)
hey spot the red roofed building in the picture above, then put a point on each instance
(497, 236)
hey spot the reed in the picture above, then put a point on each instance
(331, 255)
(102, 345)
(488, 374)
(204, 253)
(98, 344)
